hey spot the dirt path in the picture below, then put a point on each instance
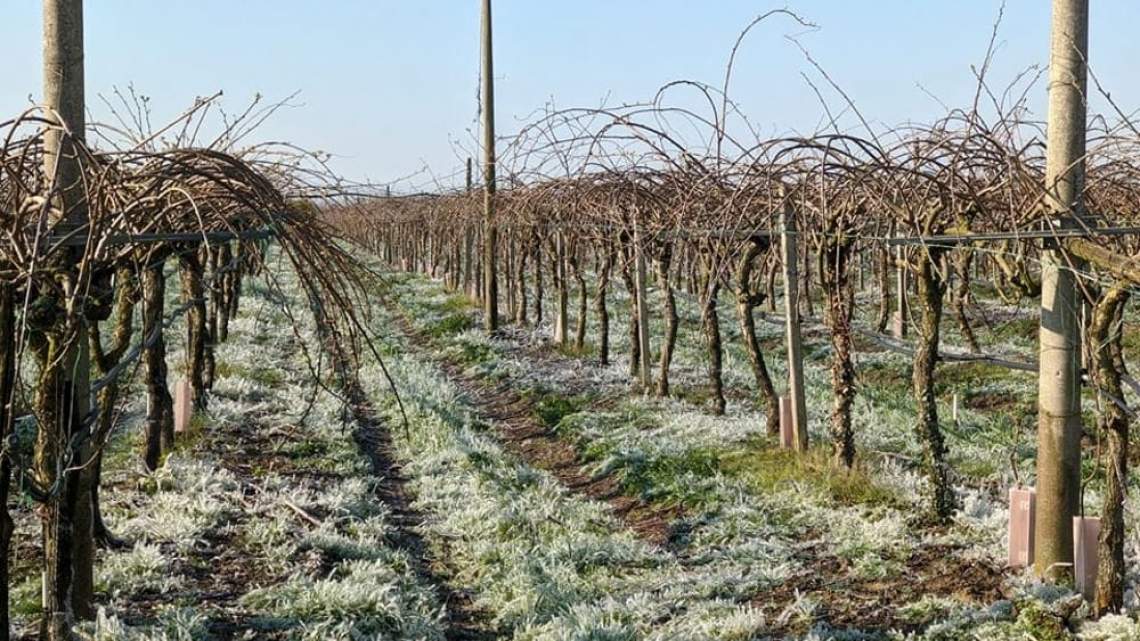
(218, 570)
(829, 593)
(464, 622)
(523, 434)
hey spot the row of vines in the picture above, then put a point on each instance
(88, 248)
(615, 198)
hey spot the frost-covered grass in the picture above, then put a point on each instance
(738, 542)
(545, 563)
(670, 450)
(540, 561)
(272, 458)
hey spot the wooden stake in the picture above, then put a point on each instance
(642, 302)
(795, 346)
(490, 233)
(787, 423)
(181, 406)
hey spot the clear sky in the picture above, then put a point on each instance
(390, 86)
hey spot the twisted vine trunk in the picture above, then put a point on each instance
(883, 279)
(199, 351)
(631, 287)
(105, 360)
(521, 303)
(931, 291)
(7, 389)
(583, 299)
(159, 404)
(961, 297)
(669, 303)
(710, 323)
(538, 293)
(65, 509)
(509, 268)
(242, 260)
(1105, 338)
(219, 292)
(805, 299)
(747, 298)
(600, 306)
(771, 269)
(834, 272)
(562, 294)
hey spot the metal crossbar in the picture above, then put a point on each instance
(75, 240)
(958, 239)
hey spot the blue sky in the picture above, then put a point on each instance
(390, 86)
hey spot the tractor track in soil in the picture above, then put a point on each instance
(463, 620)
(513, 417)
(217, 563)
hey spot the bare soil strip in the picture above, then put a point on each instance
(523, 434)
(844, 602)
(464, 622)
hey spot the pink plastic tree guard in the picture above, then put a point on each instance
(181, 405)
(1086, 531)
(1022, 511)
(787, 432)
(898, 326)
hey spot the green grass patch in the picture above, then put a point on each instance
(674, 479)
(975, 468)
(266, 376)
(1018, 328)
(25, 598)
(473, 353)
(550, 409)
(305, 449)
(453, 303)
(968, 377)
(1130, 339)
(885, 376)
(573, 351)
(770, 469)
(455, 323)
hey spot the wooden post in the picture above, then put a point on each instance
(1022, 517)
(642, 310)
(794, 342)
(67, 516)
(490, 233)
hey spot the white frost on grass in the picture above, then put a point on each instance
(189, 497)
(343, 579)
(551, 565)
(173, 624)
(1111, 627)
(365, 596)
(143, 567)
